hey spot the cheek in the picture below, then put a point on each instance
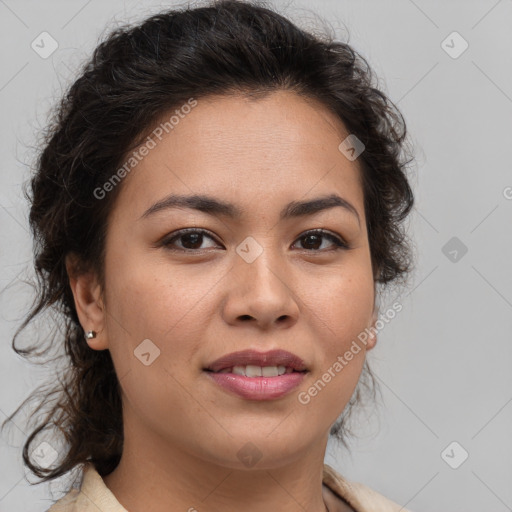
(340, 310)
(170, 309)
(342, 305)
(153, 299)
(150, 315)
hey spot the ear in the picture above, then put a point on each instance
(88, 301)
(372, 336)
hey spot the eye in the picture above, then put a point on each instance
(314, 240)
(191, 240)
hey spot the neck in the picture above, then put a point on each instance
(153, 474)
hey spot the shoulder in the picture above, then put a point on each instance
(92, 496)
(66, 503)
(360, 497)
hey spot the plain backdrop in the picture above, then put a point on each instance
(443, 363)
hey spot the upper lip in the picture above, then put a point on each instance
(253, 357)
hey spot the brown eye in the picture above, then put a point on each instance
(191, 240)
(313, 240)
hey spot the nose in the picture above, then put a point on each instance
(261, 293)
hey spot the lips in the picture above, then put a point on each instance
(254, 358)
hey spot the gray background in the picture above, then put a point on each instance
(444, 362)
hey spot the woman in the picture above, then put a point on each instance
(218, 199)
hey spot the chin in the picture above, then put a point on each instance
(262, 449)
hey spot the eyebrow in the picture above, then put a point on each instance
(216, 207)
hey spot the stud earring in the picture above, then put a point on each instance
(90, 334)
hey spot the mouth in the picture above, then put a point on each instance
(257, 371)
(253, 375)
(251, 363)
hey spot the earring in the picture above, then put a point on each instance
(90, 334)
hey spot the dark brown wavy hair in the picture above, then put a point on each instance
(137, 73)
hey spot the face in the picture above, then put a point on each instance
(175, 302)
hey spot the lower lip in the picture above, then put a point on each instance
(258, 388)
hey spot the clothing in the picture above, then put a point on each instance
(95, 496)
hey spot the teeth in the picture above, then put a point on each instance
(270, 371)
(258, 371)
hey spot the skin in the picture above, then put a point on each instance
(182, 431)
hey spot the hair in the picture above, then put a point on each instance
(136, 74)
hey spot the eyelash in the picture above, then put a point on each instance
(338, 241)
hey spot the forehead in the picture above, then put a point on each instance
(280, 147)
